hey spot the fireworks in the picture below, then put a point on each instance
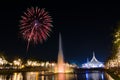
(35, 25)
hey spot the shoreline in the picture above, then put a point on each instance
(114, 76)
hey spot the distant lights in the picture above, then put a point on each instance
(18, 64)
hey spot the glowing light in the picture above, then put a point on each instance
(42, 64)
(47, 64)
(17, 62)
(32, 63)
(102, 76)
(3, 61)
(17, 76)
(86, 74)
(114, 61)
(32, 75)
(53, 64)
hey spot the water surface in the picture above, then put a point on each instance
(94, 75)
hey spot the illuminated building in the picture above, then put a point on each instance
(94, 63)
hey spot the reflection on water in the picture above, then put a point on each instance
(95, 75)
(17, 76)
(61, 77)
(32, 75)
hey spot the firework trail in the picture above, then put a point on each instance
(35, 25)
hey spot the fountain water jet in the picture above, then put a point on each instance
(61, 66)
(60, 63)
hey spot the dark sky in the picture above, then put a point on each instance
(84, 27)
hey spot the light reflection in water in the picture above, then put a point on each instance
(32, 75)
(62, 76)
(17, 76)
(42, 77)
(2, 77)
(86, 75)
(102, 76)
(94, 75)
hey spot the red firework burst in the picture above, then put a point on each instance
(35, 25)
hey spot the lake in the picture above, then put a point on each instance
(93, 75)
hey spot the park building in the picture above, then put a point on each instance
(93, 63)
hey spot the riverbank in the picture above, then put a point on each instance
(113, 74)
(28, 69)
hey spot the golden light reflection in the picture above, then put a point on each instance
(61, 77)
(42, 77)
(2, 77)
(64, 76)
(17, 76)
(32, 75)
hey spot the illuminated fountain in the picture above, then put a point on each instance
(60, 63)
(61, 66)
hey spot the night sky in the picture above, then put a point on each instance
(84, 28)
